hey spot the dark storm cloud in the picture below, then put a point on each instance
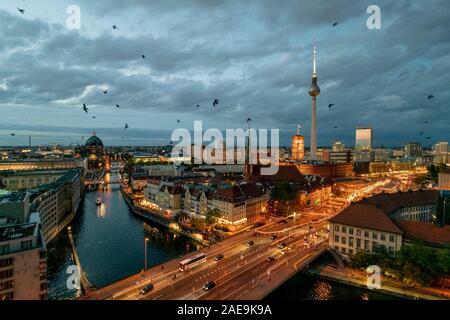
(255, 56)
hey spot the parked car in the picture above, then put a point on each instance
(270, 259)
(209, 285)
(274, 237)
(218, 257)
(146, 289)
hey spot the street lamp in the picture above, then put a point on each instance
(145, 253)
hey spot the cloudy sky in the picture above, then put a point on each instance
(254, 56)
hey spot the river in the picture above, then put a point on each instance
(110, 244)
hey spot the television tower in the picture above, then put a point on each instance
(314, 91)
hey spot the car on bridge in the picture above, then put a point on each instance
(250, 243)
(218, 257)
(273, 237)
(282, 245)
(146, 289)
(209, 285)
(270, 259)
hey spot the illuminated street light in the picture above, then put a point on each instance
(145, 253)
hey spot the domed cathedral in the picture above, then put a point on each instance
(95, 152)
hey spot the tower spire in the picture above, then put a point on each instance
(314, 62)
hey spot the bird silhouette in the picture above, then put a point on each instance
(336, 127)
(82, 138)
(115, 27)
(216, 102)
(421, 133)
(117, 106)
(428, 138)
(197, 105)
(178, 120)
(126, 126)
(85, 108)
(13, 134)
(22, 11)
(426, 121)
(105, 91)
(93, 117)
(143, 56)
(430, 97)
(335, 24)
(330, 105)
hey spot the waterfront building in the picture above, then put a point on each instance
(372, 222)
(15, 205)
(197, 201)
(163, 195)
(28, 179)
(342, 156)
(95, 152)
(241, 204)
(23, 263)
(33, 164)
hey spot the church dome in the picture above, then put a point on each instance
(94, 141)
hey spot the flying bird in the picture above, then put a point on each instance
(336, 127)
(117, 106)
(143, 56)
(85, 108)
(178, 120)
(115, 27)
(335, 24)
(216, 102)
(22, 11)
(197, 105)
(105, 91)
(249, 120)
(330, 105)
(421, 133)
(93, 117)
(82, 138)
(126, 126)
(430, 97)
(13, 134)
(426, 121)
(428, 138)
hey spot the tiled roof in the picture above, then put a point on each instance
(390, 202)
(238, 192)
(366, 216)
(430, 233)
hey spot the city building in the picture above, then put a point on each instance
(241, 204)
(440, 152)
(57, 203)
(363, 145)
(298, 146)
(341, 156)
(27, 179)
(15, 205)
(382, 155)
(197, 201)
(23, 263)
(373, 222)
(95, 152)
(33, 164)
(338, 146)
(413, 150)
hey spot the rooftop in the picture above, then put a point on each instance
(430, 233)
(17, 231)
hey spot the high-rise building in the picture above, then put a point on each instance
(441, 152)
(363, 139)
(314, 91)
(413, 150)
(363, 145)
(298, 146)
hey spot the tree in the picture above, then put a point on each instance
(211, 217)
(284, 198)
(180, 216)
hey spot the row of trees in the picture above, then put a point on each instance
(413, 264)
(431, 175)
(207, 223)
